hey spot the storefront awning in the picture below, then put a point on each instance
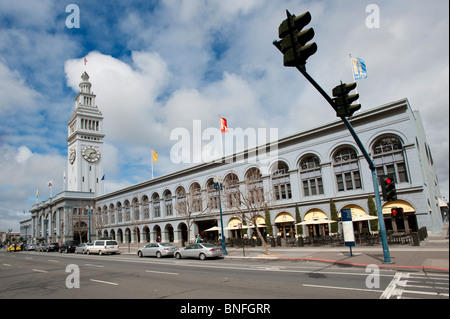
(284, 218)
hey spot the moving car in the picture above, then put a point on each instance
(103, 247)
(199, 250)
(157, 249)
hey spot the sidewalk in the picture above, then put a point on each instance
(431, 255)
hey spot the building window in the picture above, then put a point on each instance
(168, 203)
(281, 181)
(156, 206)
(346, 169)
(311, 176)
(389, 158)
(146, 207)
(196, 197)
(181, 206)
(231, 186)
(254, 184)
(213, 195)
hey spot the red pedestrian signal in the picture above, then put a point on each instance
(397, 211)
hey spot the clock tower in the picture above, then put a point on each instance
(85, 143)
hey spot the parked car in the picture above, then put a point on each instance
(103, 247)
(69, 246)
(30, 247)
(14, 247)
(44, 247)
(82, 248)
(199, 250)
(157, 249)
(53, 247)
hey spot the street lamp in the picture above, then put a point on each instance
(89, 212)
(218, 184)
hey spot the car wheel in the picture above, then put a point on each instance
(202, 256)
(100, 253)
(158, 254)
(178, 256)
(140, 254)
(87, 252)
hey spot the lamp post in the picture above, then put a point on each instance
(218, 183)
(89, 212)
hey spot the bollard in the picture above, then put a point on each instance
(415, 239)
(300, 242)
(272, 242)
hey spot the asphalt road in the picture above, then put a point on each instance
(48, 275)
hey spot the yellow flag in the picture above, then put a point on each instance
(155, 156)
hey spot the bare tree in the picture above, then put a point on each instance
(248, 200)
(191, 206)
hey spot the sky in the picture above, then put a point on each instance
(156, 66)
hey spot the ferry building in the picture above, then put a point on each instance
(311, 168)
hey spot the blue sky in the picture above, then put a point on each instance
(157, 65)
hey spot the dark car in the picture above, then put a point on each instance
(53, 247)
(69, 246)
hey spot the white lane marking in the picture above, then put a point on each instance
(91, 265)
(39, 270)
(105, 282)
(162, 272)
(343, 288)
(7, 265)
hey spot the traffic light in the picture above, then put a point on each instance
(294, 38)
(343, 101)
(397, 211)
(388, 188)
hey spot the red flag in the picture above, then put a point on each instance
(223, 125)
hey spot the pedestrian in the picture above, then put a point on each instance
(199, 239)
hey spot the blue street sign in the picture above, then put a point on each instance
(347, 228)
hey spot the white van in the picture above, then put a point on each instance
(103, 247)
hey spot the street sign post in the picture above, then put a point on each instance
(347, 228)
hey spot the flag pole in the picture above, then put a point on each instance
(152, 163)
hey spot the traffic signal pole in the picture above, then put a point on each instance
(384, 242)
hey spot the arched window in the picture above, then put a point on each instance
(156, 205)
(281, 181)
(254, 184)
(168, 203)
(213, 195)
(231, 184)
(311, 176)
(136, 212)
(146, 207)
(181, 205)
(346, 169)
(196, 197)
(127, 210)
(389, 158)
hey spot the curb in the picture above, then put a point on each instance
(345, 263)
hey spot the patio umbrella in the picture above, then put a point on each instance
(364, 218)
(316, 222)
(215, 228)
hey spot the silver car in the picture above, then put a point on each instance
(157, 249)
(199, 250)
(82, 248)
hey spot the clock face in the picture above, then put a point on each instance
(90, 154)
(72, 155)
